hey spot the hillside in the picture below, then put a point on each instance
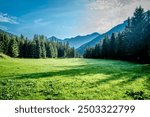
(93, 42)
(80, 40)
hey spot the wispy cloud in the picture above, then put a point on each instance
(5, 18)
(102, 15)
(109, 4)
(41, 22)
(71, 18)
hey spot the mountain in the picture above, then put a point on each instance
(93, 42)
(55, 39)
(80, 40)
(76, 41)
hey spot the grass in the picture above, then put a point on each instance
(73, 79)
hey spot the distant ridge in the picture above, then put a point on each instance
(76, 41)
(93, 42)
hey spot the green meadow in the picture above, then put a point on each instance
(74, 78)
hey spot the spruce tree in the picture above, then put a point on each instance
(112, 46)
(13, 48)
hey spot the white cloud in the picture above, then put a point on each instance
(4, 17)
(110, 4)
(41, 22)
(102, 15)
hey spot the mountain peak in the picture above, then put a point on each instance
(53, 38)
(117, 28)
(76, 41)
(80, 40)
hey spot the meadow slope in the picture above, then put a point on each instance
(73, 79)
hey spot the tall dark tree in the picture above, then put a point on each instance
(21, 46)
(13, 50)
(42, 46)
(120, 46)
(113, 44)
(106, 47)
(4, 42)
(132, 44)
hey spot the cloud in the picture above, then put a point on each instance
(5, 18)
(41, 22)
(109, 4)
(102, 15)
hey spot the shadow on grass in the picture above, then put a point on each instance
(115, 74)
(143, 71)
(78, 71)
(52, 91)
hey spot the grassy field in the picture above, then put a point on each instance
(73, 79)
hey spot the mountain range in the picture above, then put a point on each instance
(93, 42)
(80, 43)
(77, 41)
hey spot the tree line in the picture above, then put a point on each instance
(132, 44)
(38, 47)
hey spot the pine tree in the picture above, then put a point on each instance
(34, 49)
(13, 48)
(55, 50)
(51, 51)
(21, 46)
(89, 52)
(112, 51)
(106, 47)
(42, 46)
(37, 46)
(98, 50)
(4, 42)
(120, 46)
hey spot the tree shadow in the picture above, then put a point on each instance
(78, 71)
(143, 71)
(81, 70)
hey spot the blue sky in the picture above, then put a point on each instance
(64, 18)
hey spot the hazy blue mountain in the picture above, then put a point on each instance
(55, 39)
(80, 40)
(93, 42)
(76, 41)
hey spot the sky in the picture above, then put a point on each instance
(65, 18)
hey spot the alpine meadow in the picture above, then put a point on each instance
(73, 78)
(114, 65)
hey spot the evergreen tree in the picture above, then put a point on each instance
(52, 51)
(106, 47)
(88, 53)
(42, 46)
(21, 46)
(34, 49)
(4, 42)
(113, 44)
(98, 50)
(55, 50)
(13, 48)
(120, 46)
